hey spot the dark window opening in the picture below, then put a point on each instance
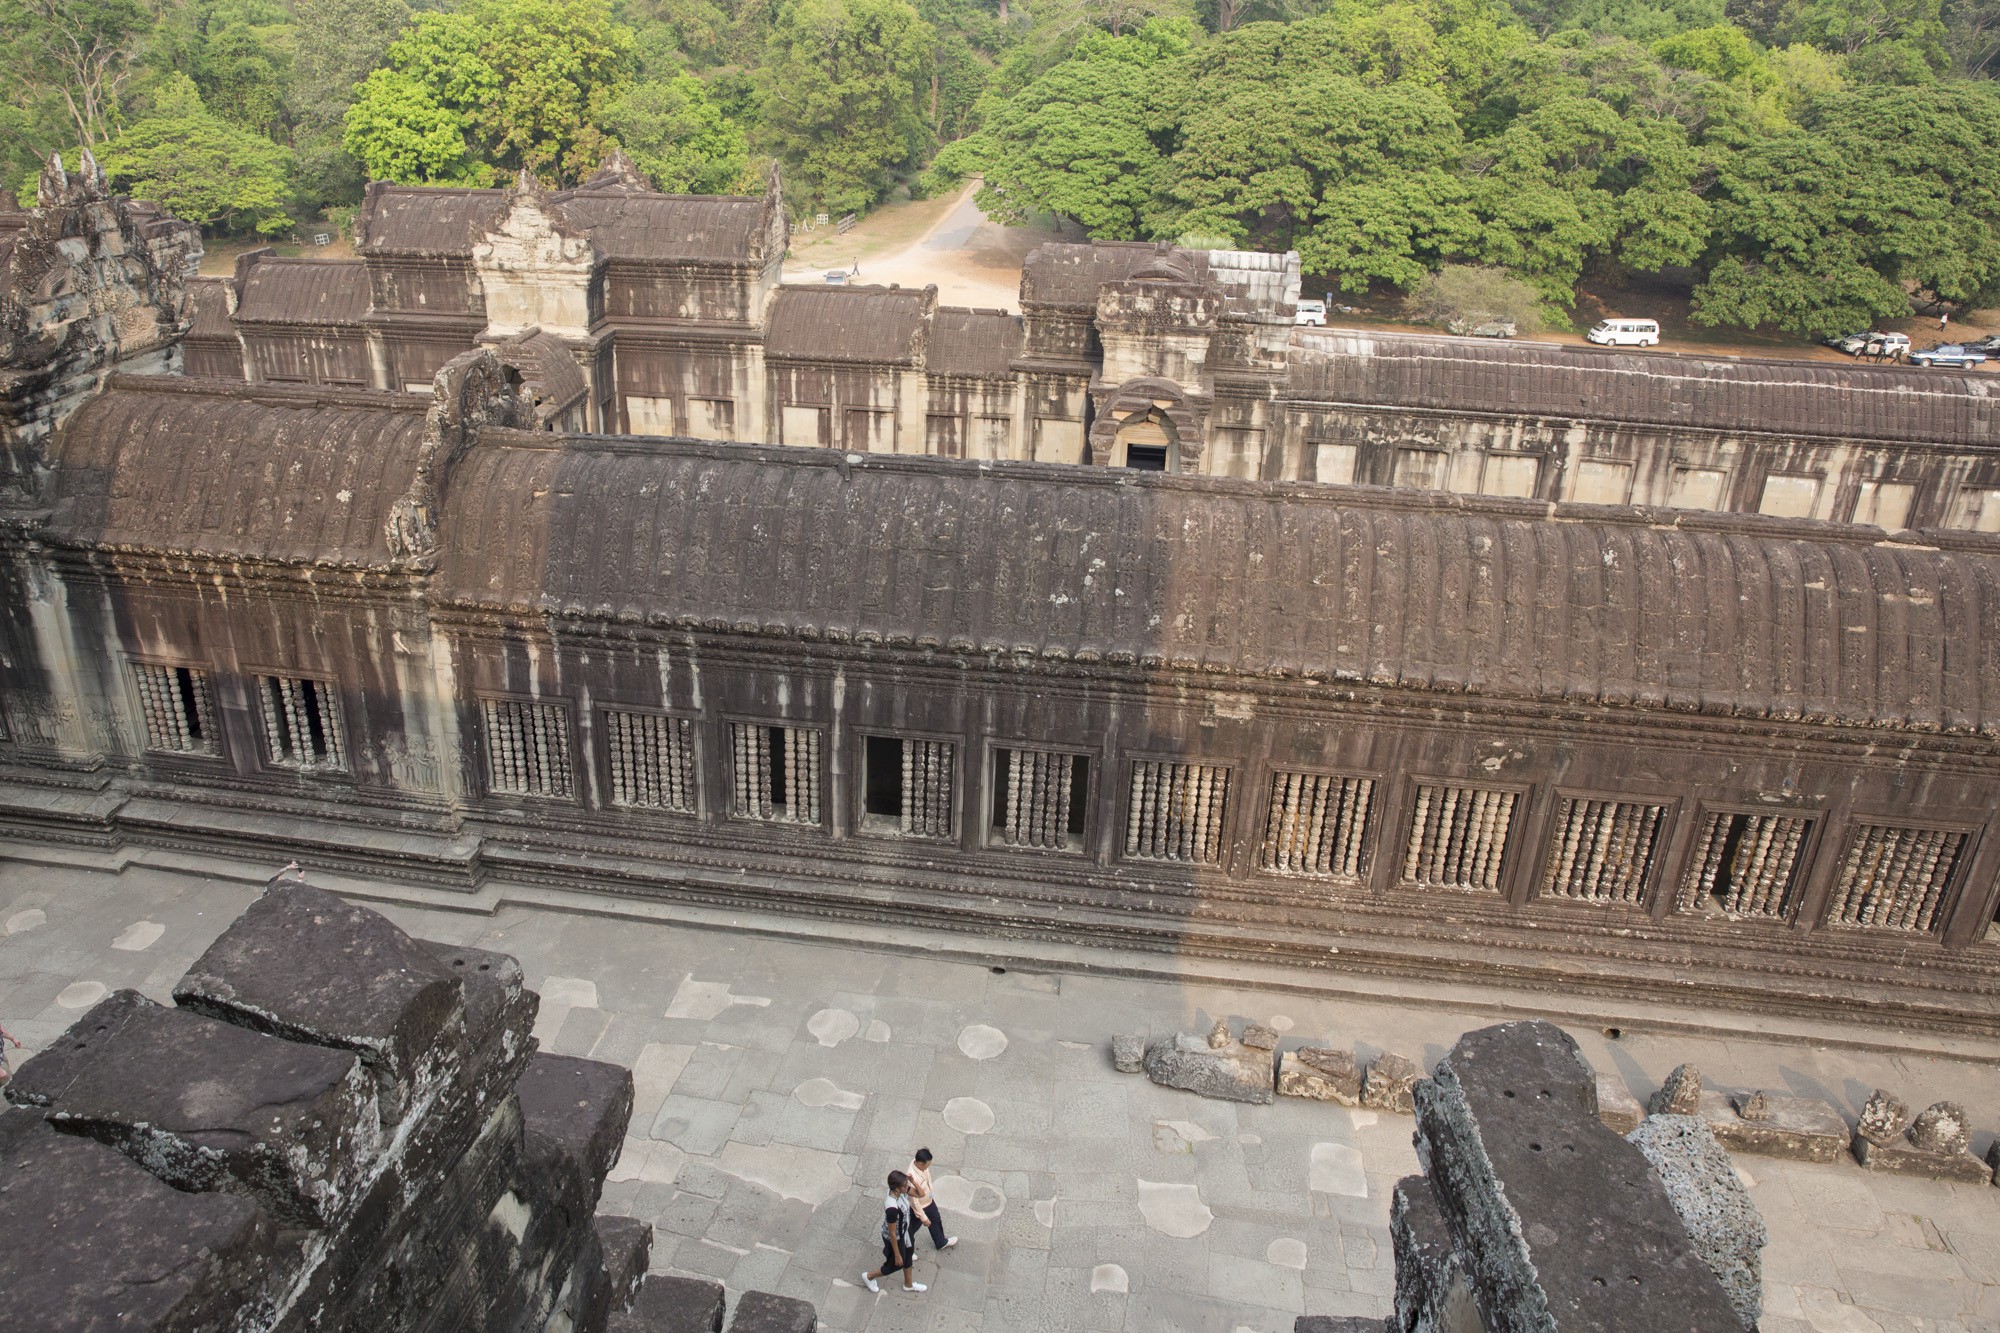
(1746, 865)
(883, 796)
(1146, 457)
(191, 704)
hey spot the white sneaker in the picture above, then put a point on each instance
(949, 1241)
(916, 1286)
(871, 1284)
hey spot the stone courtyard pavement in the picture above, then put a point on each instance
(780, 1078)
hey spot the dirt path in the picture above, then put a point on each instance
(951, 242)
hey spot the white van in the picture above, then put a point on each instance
(1625, 333)
(1313, 313)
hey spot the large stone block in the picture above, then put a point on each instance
(1803, 1129)
(1938, 1145)
(1559, 1223)
(576, 1110)
(762, 1312)
(672, 1305)
(304, 964)
(1723, 1223)
(43, 1077)
(499, 1008)
(627, 1244)
(206, 1105)
(91, 1240)
(1617, 1107)
(1232, 1072)
(1321, 1074)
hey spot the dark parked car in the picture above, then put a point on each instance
(1949, 354)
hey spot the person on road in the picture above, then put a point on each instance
(899, 1236)
(920, 1198)
(1944, 319)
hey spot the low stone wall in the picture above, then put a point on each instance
(335, 1126)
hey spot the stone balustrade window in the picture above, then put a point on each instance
(1315, 825)
(1602, 851)
(1747, 865)
(651, 761)
(301, 723)
(908, 786)
(1895, 878)
(775, 773)
(179, 708)
(1040, 798)
(1177, 812)
(527, 749)
(1458, 837)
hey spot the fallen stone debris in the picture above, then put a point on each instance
(1937, 1144)
(1390, 1078)
(335, 1126)
(1214, 1065)
(1322, 1074)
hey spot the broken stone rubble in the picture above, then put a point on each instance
(1230, 1071)
(1938, 1144)
(224, 1165)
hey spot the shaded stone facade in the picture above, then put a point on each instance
(1125, 354)
(1734, 756)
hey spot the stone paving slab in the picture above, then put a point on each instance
(777, 1082)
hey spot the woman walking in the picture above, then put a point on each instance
(921, 1200)
(899, 1234)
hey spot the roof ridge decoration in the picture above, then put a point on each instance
(471, 391)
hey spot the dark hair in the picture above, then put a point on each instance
(923, 1154)
(897, 1180)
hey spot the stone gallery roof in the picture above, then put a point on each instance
(1544, 379)
(209, 299)
(668, 227)
(235, 471)
(1506, 599)
(424, 219)
(1062, 274)
(976, 344)
(548, 369)
(304, 291)
(623, 223)
(875, 324)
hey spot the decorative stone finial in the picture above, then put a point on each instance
(1218, 1036)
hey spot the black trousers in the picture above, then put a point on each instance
(936, 1220)
(889, 1264)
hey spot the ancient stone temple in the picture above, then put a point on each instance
(1125, 354)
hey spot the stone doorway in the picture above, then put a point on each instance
(1147, 443)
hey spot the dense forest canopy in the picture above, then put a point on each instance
(1811, 165)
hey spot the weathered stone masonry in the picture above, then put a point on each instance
(1739, 757)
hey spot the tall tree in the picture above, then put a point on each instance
(81, 52)
(677, 135)
(200, 167)
(523, 82)
(841, 97)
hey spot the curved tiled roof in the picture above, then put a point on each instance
(668, 227)
(977, 344)
(876, 324)
(1546, 379)
(1062, 273)
(548, 369)
(210, 467)
(1507, 599)
(424, 219)
(304, 291)
(209, 300)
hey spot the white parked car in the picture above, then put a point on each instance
(1625, 333)
(1311, 312)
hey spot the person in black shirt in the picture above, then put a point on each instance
(899, 1229)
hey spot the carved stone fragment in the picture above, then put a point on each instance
(1938, 1145)
(1321, 1074)
(1390, 1078)
(1884, 1118)
(1259, 1037)
(1233, 1073)
(1128, 1053)
(1804, 1129)
(1943, 1128)
(1680, 1094)
(1218, 1036)
(1617, 1107)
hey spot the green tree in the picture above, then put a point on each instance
(336, 44)
(1881, 193)
(200, 167)
(79, 55)
(240, 57)
(1084, 140)
(839, 97)
(523, 83)
(679, 137)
